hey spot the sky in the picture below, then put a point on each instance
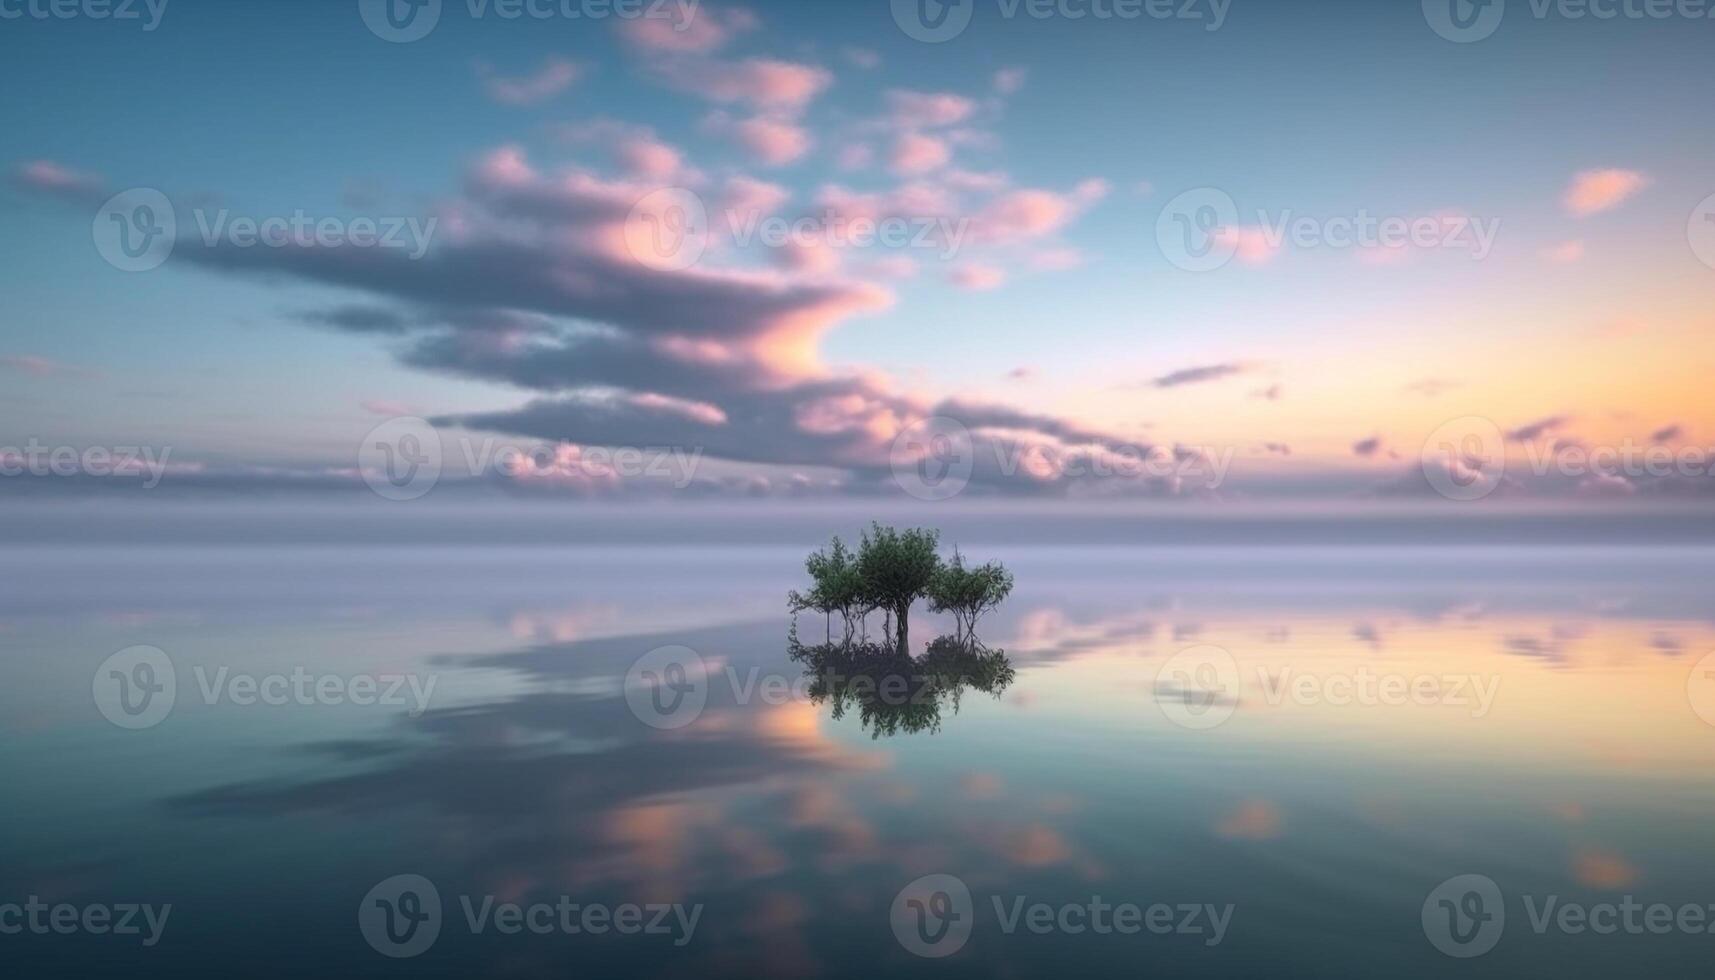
(1123, 270)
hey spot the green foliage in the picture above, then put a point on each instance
(896, 567)
(967, 593)
(891, 570)
(837, 586)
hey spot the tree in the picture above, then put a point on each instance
(895, 567)
(837, 587)
(967, 593)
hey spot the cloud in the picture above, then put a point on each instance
(771, 141)
(42, 367)
(696, 30)
(928, 110)
(1367, 447)
(1009, 81)
(1199, 375)
(1566, 253)
(534, 282)
(1593, 191)
(1269, 394)
(977, 277)
(1031, 213)
(1251, 245)
(760, 83)
(48, 177)
(555, 76)
(389, 409)
(751, 196)
(1539, 428)
(915, 153)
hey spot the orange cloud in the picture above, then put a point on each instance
(1599, 190)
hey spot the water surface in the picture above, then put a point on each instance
(1548, 738)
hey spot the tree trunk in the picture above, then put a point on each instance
(901, 616)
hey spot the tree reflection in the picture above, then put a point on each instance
(895, 692)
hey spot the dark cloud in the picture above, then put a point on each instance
(1539, 428)
(1198, 375)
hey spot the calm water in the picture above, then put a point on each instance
(1348, 730)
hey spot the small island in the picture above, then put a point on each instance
(890, 571)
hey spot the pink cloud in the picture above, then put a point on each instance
(1598, 190)
(750, 196)
(555, 76)
(928, 109)
(1025, 214)
(1009, 80)
(759, 82)
(1251, 245)
(41, 367)
(1565, 253)
(696, 411)
(53, 178)
(976, 181)
(504, 166)
(914, 153)
(977, 277)
(389, 409)
(809, 257)
(643, 156)
(774, 142)
(695, 31)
